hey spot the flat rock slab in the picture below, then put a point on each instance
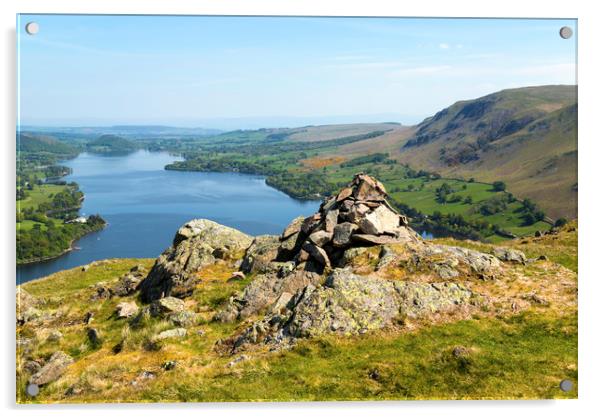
(52, 370)
(126, 309)
(375, 239)
(171, 333)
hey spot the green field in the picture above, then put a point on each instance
(40, 194)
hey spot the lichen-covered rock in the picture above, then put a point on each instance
(346, 304)
(264, 291)
(32, 367)
(420, 299)
(197, 244)
(170, 333)
(129, 283)
(52, 370)
(24, 302)
(349, 304)
(510, 255)
(262, 251)
(477, 261)
(167, 305)
(183, 319)
(101, 290)
(28, 315)
(126, 309)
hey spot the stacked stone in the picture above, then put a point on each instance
(358, 216)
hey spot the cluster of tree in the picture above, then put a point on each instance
(226, 163)
(498, 186)
(442, 192)
(495, 204)
(379, 157)
(458, 226)
(67, 200)
(46, 239)
(300, 185)
(531, 213)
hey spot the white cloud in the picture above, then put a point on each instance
(443, 45)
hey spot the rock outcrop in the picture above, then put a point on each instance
(197, 244)
(350, 304)
(52, 370)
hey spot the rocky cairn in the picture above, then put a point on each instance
(358, 216)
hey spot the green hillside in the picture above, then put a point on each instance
(30, 143)
(526, 137)
(111, 144)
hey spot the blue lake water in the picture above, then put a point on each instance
(144, 205)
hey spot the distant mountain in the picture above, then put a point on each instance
(111, 144)
(84, 133)
(28, 142)
(526, 137)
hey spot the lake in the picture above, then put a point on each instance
(144, 205)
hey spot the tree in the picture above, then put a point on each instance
(529, 219)
(499, 186)
(560, 222)
(468, 200)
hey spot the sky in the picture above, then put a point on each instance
(240, 72)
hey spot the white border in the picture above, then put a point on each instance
(590, 151)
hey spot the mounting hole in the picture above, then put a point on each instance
(32, 390)
(566, 385)
(32, 28)
(566, 32)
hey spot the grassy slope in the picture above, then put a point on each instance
(327, 132)
(28, 142)
(522, 356)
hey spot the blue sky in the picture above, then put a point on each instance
(217, 71)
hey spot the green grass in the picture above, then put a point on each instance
(67, 282)
(39, 194)
(522, 357)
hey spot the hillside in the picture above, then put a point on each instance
(347, 304)
(111, 144)
(33, 143)
(526, 137)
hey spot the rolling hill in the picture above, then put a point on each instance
(28, 143)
